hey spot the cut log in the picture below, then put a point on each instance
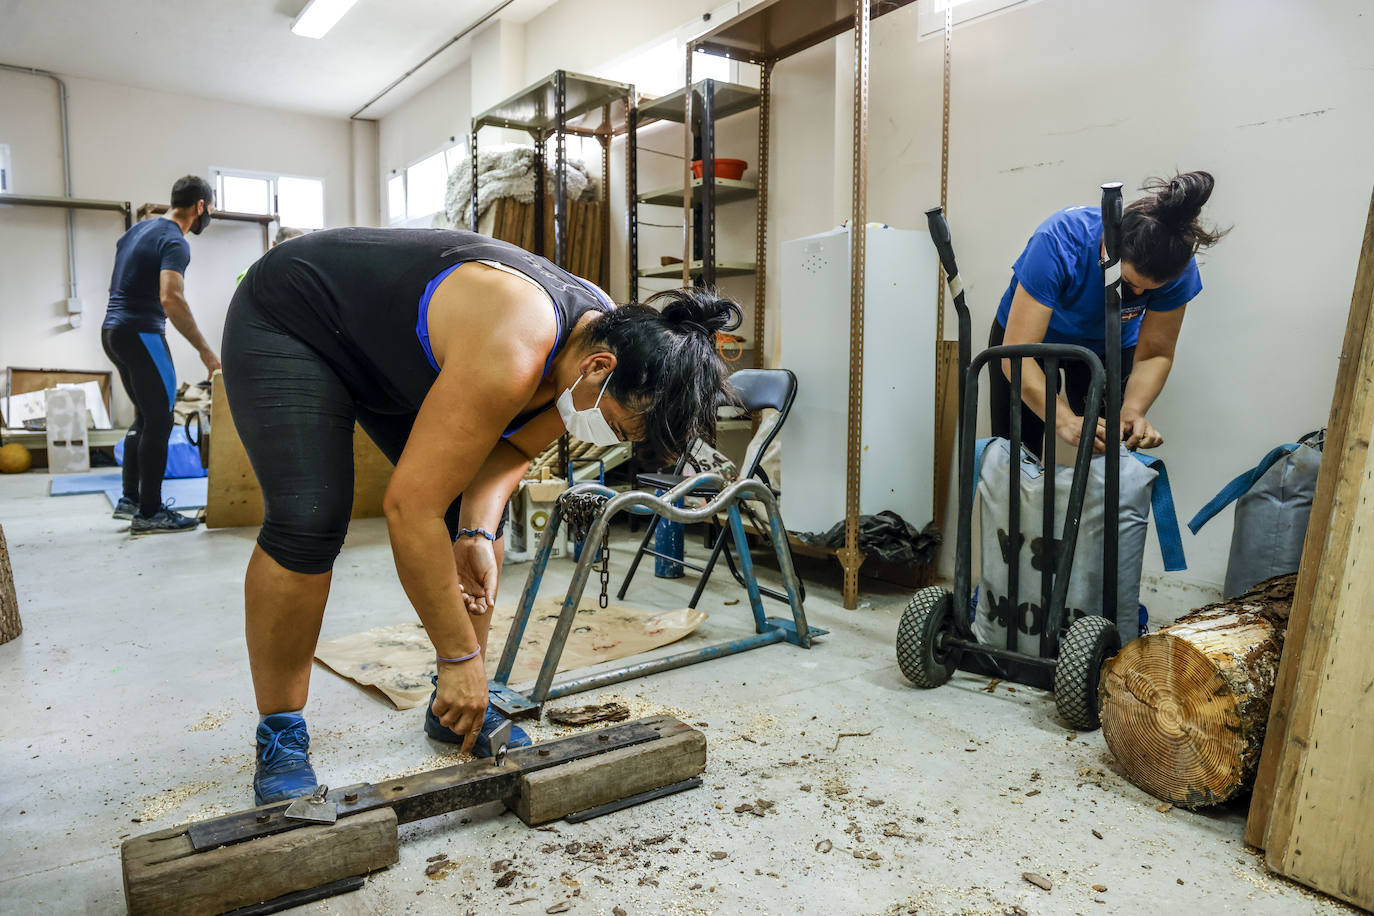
(10, 624)
(1184, 709)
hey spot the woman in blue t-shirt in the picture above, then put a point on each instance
(1056, 296)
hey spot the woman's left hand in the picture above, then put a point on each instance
(478, 573)
(1137, 432)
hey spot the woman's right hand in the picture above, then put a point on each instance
(1069, 427)
(460, 698)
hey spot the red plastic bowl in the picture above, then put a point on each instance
(729, 169)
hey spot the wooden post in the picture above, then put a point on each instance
(10, 624)
(1355, 360)
(1184, 709)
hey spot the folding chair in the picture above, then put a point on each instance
(757, 390)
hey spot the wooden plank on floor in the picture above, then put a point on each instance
(547, 795)
(1353, 352)
(164, 876)
(233, 498)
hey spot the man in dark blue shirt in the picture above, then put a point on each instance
(146, 289)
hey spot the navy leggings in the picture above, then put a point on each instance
(145, 368)
(295, 416)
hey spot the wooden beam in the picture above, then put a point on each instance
(547, 795)
(1355, 353)
(1317, 830)
(163, 875)
(10, 624)
(233, 497)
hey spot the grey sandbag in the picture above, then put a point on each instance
(1271, 514)
(1137, 493)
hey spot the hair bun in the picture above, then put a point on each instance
(703, 311)
(1182, 197)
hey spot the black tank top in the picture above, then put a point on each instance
(359, 298)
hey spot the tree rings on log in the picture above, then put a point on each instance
(1184, 709)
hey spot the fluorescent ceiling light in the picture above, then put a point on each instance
(319, 16)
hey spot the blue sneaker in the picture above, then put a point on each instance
(284, 769)
(490, 723)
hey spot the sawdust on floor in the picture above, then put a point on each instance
(157, 805)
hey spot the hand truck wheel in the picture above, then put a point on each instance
(920, 651)
(1089, 642)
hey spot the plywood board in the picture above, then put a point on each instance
(235, 499)
(399, 660)
(1337, 433)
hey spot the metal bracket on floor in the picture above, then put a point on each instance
(515, 703)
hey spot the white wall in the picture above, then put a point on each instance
(425, 123)
(131, 144)
(1055, 97)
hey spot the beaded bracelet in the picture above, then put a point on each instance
(476, 532)
(462, 658)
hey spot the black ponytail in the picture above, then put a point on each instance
(1161, 232)
(667, 365)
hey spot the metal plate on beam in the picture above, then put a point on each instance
(427, 794)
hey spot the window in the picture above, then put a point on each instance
(6, 180)
(296, 202)
(417, 192)
(931, 13)
(659, 68)
(426, 182)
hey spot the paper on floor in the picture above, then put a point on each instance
(399, 661)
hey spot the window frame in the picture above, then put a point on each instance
(419, 220)
(272, 179)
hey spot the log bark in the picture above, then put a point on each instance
(10, 624)
(1184, 710)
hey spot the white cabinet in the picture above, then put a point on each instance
(897, 451)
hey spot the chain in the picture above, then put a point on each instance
(582, 510)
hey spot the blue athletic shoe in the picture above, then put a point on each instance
(490, 723)
(284, 769)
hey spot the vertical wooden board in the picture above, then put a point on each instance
(946, 426)
(1319, 828)
(547, 795)
(10, 624)
(163, 876)
(1353, 353)
(233, 497)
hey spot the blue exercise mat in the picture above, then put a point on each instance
(181, 493)
(94, 482)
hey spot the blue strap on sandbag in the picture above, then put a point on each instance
(1240, 486)
(1166, 517)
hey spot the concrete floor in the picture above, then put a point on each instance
(129, 710)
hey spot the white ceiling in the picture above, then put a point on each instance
(242, 50)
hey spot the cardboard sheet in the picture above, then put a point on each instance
(398, 660)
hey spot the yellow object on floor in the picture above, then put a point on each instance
(398, 660)
(15, 459)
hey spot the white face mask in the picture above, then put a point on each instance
(588, 425)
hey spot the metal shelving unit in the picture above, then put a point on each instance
(709, 101)
(763, 35)
(559, 105)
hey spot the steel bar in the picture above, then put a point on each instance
(300, 898)
(687, 172)
(472, 149)
(1047, 538)
(560, 177)
(761, 214)
(631, 198)
(1007, 655)
(850, 556)
(122, 207)
(540, 151)
(430, 793)
(1013, 548)
(1111, 506)
(667, 663)
(707, 228)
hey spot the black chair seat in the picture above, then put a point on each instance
(668, 481)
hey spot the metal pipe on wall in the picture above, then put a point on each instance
(66, 166)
